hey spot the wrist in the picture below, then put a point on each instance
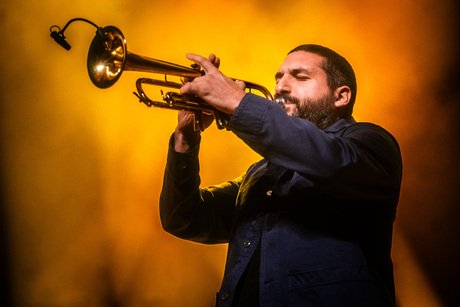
(184, 142)
(234, 102)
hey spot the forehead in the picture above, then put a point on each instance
(303, 60)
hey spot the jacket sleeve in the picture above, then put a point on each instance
(187, 211)
(354, 162)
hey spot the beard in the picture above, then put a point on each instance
(319, 111)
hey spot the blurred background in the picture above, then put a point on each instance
(82, 168)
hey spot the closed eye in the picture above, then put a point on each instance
(300, 74)
(302, 78)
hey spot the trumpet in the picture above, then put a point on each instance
(108, 57)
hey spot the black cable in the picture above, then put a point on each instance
(78, 19)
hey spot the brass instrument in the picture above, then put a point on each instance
(108, 58)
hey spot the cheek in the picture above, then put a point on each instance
(303, 89)
(310, 91)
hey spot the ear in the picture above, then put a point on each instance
(342, 96)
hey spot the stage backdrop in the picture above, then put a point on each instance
(82, 167)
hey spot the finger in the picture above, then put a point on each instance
(214, 60)
(185, 88)
(206, 64)
(240, 84)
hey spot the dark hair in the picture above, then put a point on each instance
(339, 72)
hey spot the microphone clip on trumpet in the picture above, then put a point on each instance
(59, 37)
(108, 57)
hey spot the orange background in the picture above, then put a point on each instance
(82, 167)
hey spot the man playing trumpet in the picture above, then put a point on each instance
(311, 223)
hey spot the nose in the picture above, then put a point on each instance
(282, 85)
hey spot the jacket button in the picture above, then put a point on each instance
(246, 243)
(182, 165)
(269, 193)
(224, 296)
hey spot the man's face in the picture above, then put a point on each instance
(303, 84)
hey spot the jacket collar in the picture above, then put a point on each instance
(340, 124)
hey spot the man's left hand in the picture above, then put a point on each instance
(214, 87)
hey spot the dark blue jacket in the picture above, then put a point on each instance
(321, 204)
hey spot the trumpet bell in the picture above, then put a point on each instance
(106, 57)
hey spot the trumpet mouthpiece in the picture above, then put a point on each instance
(280, 101)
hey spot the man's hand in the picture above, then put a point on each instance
(214, 87)
(185, 136)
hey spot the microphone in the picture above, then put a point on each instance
(60, 39)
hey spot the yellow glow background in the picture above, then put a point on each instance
(82, 167)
